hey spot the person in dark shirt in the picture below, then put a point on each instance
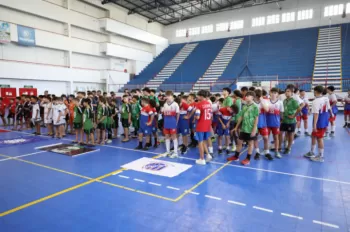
(19, 114)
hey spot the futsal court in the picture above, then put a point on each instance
(46, 191)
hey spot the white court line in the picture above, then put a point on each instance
(121, 176)
(138, 180)
(156, 184)
(325, 224)
(194, 193)
(20, 156)
(276, 172)
(173, 188)
(212, 197)
(291, 216)
(49, 145)
(236, 203)
(263, 209)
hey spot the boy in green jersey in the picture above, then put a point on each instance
(153, 97)
(101, 121)
(114, 116)
(87, 122)
(248, 117)
(77, 121)
(291, 109)
(126, 117)
(135, 114)
(227, 99)
(109, 121)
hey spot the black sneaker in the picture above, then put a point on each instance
(181, 146)
(172, 148)
(220, 151)
(183, 150)
(227, 151)
(348, 125)
(145, 148)
(138, 147)
(257, 156)
(345, 125)
(191, 144)
(155, 145)
(268, 156)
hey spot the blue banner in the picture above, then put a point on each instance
(26, 36)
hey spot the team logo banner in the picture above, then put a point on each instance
(18, 141)
(157, 167)
(68, 149)
(26, 36)
(5, 33)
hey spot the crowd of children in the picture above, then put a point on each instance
(235, 120)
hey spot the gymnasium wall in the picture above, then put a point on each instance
(248, 13)
(80, 45)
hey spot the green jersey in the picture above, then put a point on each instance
(125, 111)
(135, 110)
(290, 107)
(101, 112)
(249, 114)
(154, 98)
(87, 116)
(227, 102)
(78, 115)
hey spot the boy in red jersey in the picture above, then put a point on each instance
(2, 112)
(203, 115)
(146, 119)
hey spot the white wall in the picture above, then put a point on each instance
(248, 13)
(70, 44)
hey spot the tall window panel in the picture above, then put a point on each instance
(235, 25)
(259, 21)
(207, 29)
(288, 17)
(273, 19)
(181, 33)
(194, 31)
(222, 27)
(305, 14)
(333, 10)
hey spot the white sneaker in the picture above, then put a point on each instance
(317, 159)
(208, 158)
(174, 155)
(200, 162)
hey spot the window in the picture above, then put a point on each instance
(333, 10)
(259, 21)
(181, 33)
(305, 14)
(222, 27)
(236, 25)
(348, 8)
(288, 17)
(273, 19)
(207, 29)
(194, 31)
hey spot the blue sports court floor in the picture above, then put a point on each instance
(44, 191)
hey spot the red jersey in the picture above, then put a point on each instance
(146, 113)
(204, 111)
(226, 113)
(12, 108)
(2, 108)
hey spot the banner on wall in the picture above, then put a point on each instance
(26, 36)
(5, 33)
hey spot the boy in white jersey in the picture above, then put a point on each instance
(46, 103)
(59, 114)
(36, 119)
(333, 102)
(346, 102)
(170, 112)
(303, 116)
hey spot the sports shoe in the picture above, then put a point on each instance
(145, 148)
(233, 158)
(325, 135)
(165, 154)
(278, 155)
(200, 162)
(307, 133)
(174, 155)
(317, 159)
(184, 150)
(227, 151)
(257, 156)
(138, 148)
(268, 156)
(345, 125)
(287, 151)
(348, 125)
(220, 151)
(332, 134)
(245, 162)
(299, 132)
(208, 158)
(155, 145)
(310, 154)
(213, 139)
(180, 147)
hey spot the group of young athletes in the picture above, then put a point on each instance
(195, 120)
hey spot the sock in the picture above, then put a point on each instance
(248, 157)
(237, 154)
(321, 152)
(332, 128)
(210, 149)
(176, 144)
(167, 145)
(257, 150)
(299, 129)
(313, 148)
(220, 147)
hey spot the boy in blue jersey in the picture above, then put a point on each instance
(319, 125)
(146, 119)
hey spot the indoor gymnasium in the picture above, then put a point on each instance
(174, 115)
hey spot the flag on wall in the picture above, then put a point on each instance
(5, 33)
(26, 36)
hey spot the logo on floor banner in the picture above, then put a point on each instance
(157, 167)
(18, 140)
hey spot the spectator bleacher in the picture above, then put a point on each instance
(346, 56)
